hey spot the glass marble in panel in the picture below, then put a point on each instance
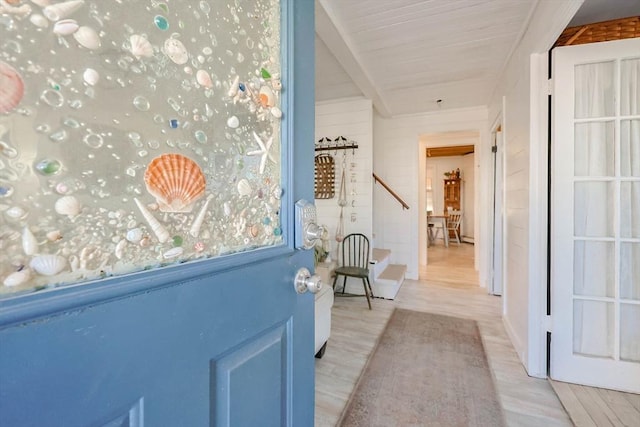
(630, 148)
(630, 209)
(630, 270)
(630, 332)
(593, 209)
(593, 328)
(630, 86)
(594, 90)
(594, 149)
(594, 268)
(136, 134)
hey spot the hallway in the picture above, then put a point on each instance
(450, 290)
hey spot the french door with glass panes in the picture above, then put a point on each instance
(596, 215)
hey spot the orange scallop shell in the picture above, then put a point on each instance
(175, 181)
(11, 88)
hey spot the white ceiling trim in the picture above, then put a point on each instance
(335, 40)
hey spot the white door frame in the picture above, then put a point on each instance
(498, 235)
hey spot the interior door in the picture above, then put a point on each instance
(220, 340)
(596, 215)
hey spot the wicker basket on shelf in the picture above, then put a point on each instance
(616, 29)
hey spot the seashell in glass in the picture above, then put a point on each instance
(175, 51)
(65, 27)
(29, 242)
(54, 235)
(233, 122)
(244, 188)
(11, 88)
(135, 235)
(48, 265)
(39, 20)
(175, 181)
(87, 37)
(140, 46)
(204, 79)
(91, 76)
(173, 252)
(276, 112)
(58, 11)
(17, 278)
(267, 97)
(41, 3)
(68, 205)
(16, 212)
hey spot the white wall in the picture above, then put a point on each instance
(397, 156)
(351, 118)
(520, 100)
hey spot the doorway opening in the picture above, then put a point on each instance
(448, 176)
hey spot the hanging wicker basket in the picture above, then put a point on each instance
(324, 177)
(616, 29)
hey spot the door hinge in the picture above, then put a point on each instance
(548, 324)
(494, 148)
(550, 87)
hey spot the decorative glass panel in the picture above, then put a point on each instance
(594, 90)
(630, 270)
(135, 134)
(594, 149)
(630, 87)
(630, 332)
(593, 209)
(630, 209)
(594, 268)
(630, 148)
(593, 328)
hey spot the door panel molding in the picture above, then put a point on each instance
(233, 375)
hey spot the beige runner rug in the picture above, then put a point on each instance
(427, 370)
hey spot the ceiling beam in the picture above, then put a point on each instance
(329, 31)
(456, 150)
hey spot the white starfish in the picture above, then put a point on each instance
(263, 151)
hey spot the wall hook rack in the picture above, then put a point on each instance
(339, 143)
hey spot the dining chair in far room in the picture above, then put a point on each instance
(430, 225)
(355, 263)
(453, 223)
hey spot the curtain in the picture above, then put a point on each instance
(597, 212)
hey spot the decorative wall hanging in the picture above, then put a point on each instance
(134, 135)
(324, 177)
(342, 199)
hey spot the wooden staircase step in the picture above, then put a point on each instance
(379, 255)
(394, 272)
(388, 283)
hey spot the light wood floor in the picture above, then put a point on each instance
(451, 289)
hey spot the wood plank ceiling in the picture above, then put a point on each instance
(414, 52)
(405, 55)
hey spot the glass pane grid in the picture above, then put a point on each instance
(606, 303)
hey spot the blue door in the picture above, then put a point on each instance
(223, 340)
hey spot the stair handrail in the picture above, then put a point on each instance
(376, 178)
